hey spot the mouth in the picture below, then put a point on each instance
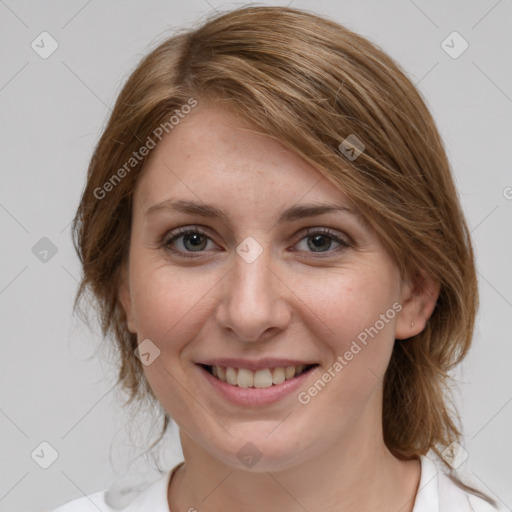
(261, 379)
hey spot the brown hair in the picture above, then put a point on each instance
(309, 83)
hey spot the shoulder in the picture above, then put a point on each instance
(452, 495)
(130, 494)
(439, 492)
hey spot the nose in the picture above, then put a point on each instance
(254, 304)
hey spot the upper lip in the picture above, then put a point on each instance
(253, 364)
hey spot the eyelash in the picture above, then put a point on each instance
(180, 232)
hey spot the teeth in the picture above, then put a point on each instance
(278, 375)
(245, 378)
(289, 372)
(264, 378)
(231, 374)
(221, 373)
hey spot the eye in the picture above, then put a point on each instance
(193, 240)
(319, 240)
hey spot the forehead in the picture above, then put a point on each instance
(210, 156)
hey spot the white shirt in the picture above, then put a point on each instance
(436, 493)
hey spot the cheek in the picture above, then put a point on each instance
(170, 309)
(355, 313)
(349, 302)
(168, 302)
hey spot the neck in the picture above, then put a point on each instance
(362, 476)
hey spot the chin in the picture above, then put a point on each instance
(260, 452)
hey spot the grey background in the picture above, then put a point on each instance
(55, 385)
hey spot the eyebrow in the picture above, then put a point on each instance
(296, 212)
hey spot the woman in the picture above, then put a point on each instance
(271, 232)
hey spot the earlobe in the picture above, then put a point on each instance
(417, 307)
(126, 301)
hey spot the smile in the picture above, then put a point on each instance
(263, 378)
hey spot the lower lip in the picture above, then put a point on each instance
(256, 396)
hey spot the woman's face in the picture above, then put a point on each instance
(264, 283)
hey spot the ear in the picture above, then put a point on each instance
(125, 299)
(418, 299)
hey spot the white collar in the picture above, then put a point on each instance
(436, 493)
(427, 496)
